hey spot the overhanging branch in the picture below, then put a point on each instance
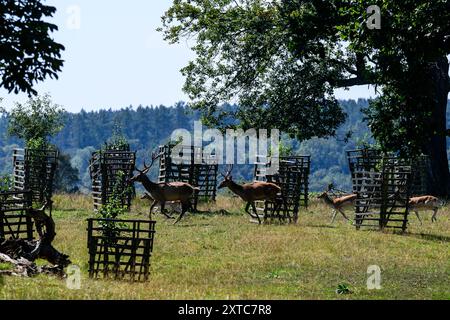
(350, 82)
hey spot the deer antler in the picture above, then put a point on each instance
(228, 172)
(140, 171)
(147, 168)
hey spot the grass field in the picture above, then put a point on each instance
(223, 256)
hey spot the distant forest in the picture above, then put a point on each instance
(148, 127)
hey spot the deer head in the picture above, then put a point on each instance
(323, 195)
(228, 179)
(142, 174)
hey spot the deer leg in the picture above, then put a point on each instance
(247, 207)
(418, 217)
(151, 208)
(434, 218)
(334, 212)
(342, 212)
(163, 210)
(256, 212)
(183, 210)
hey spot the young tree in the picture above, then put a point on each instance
(27, 52)
(36, 121)
(282, 61)
(118, 141)
(66, 176)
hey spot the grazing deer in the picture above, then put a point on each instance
(425, 203)
(251, 192)
(339, 204)
(163, 192)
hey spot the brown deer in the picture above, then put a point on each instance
(339, 204)
(251, 192)
(162, 192)
(424, 203)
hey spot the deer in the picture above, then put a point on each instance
(424, 203)
(251, 192)
(339, 204)
(162, 192)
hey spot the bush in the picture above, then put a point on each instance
(6, 183)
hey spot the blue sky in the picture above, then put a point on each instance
(116, 58)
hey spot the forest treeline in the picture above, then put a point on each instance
(147, 127)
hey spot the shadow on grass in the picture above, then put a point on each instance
(326, 226)
(221, 212)
(66, 210)
(186, 224)
(429, 237)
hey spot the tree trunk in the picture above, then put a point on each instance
(437, 148)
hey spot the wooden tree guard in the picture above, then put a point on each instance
(195, 169)
(363, 159)
(383, 195)
(34, 170)
(293, 178)
(15, 220)
(105, 170)
(367, 160)
(126, 255)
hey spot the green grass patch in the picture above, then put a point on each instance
(5, 266)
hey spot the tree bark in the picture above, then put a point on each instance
(437, 148)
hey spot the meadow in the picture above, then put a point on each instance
(219, 254)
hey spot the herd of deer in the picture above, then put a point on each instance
(182, 192)
(416, 204)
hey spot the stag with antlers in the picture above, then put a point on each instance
(252, 192)
(163, 192)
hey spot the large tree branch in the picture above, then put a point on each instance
(361, 74)
(350, 82)
(344, 65)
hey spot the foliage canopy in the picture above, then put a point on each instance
(27, 52)
(282, 60)
(36, 121)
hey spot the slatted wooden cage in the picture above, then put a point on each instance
(34, 170)
(120, 249)
(15, 221)
(369, 160)
(192, 167)
(383, 194)
(109, 171)
(293, 178)
(364, 159)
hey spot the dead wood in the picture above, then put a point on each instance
(21, 253)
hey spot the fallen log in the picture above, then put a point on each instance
(24, 268)
(21, 253)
